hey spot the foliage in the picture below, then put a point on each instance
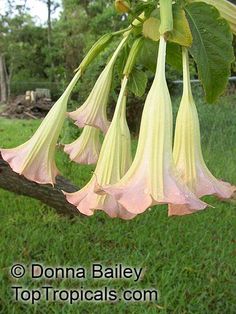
(212, 48)
(138, 82)
(26, 48)
(22, 51)
(29, 57)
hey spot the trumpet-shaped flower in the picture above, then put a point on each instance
(35, 158)
(93, 111)
(152, 179)
(114, 160)
(187, 151)
(85, 150)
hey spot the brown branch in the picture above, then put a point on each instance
(49, 195)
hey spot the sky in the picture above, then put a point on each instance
(37, 8)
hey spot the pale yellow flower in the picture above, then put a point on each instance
(187, 151)
(152, 178)
(35, 158)
(114, 160)
(94, 111)
(86, 149)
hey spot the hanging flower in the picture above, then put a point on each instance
(152, 178)
(35, 158)
(85, 150)
(93, 111)
(187, 151)
(114, 160)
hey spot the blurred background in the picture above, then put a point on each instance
(43, 41)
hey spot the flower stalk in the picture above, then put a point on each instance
(166, 16)
(94, 51)
(135, 49)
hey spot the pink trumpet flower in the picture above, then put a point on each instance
(152, 178)
(93, 111)
(187, 151)
(113, 162)
(35, 158)
(85, 150)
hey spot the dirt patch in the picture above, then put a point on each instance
(22, 109)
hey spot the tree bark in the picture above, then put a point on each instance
(3, 80)
(49, 3)
(49, 195)
(9, 76)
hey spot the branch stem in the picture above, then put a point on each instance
(166, 17)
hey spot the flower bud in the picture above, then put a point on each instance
(122, 6)
(94, 51)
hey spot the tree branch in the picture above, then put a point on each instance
(49, 195)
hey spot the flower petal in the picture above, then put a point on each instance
(85, 150)
(93, 111)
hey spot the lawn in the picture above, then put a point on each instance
(191, 260)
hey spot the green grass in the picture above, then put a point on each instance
(191, 260)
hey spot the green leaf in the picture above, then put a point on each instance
(151, 28)
(137, 82)
(181, 33)
(212, 47)
(174, 56)
(148, 55)
(227, 10)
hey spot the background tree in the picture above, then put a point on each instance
(20, 48)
